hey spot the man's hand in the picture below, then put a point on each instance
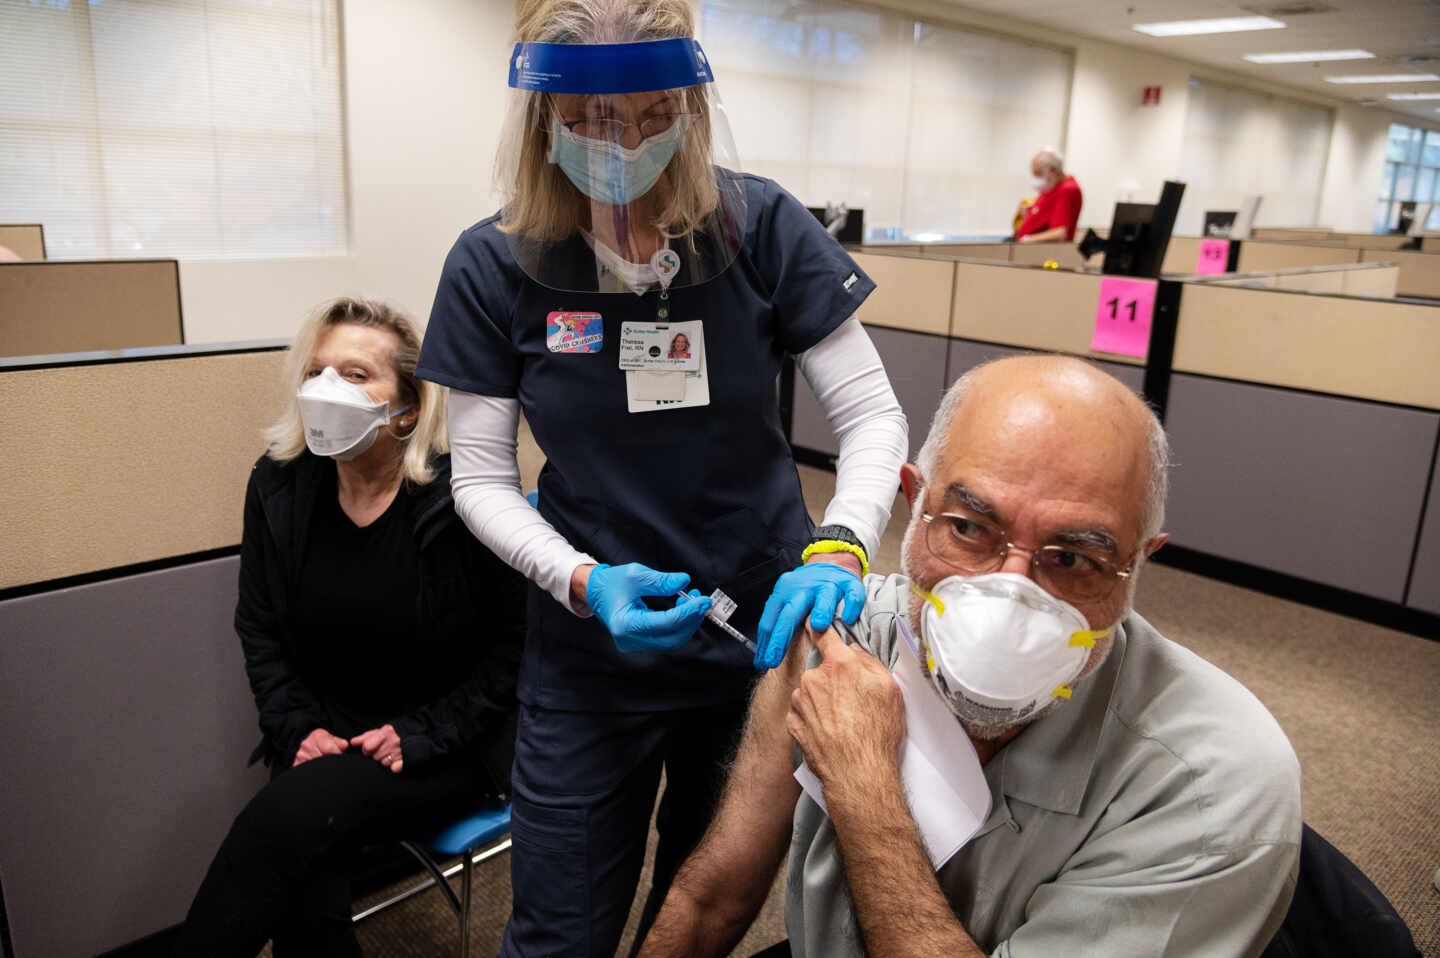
(848, 717)
(383, 745)
(318, 743)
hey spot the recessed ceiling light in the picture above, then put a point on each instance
(1187, 28)
(1313, 56)
(1387, 78)
(1412, 96)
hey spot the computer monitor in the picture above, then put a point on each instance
(851, 228)
(1139, 235)
(1219, 223)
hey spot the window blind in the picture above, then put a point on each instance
(929, 128)
(185, 128)
(1240, 142)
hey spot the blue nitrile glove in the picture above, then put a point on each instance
(616, 595)
(816, 588)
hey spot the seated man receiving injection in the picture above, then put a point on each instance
(1141, 801)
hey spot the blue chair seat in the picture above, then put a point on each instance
(485, 825)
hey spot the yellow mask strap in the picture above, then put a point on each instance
(930, 597)
(1087, 639)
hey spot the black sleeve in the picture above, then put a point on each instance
(481, 707)
(288, 709)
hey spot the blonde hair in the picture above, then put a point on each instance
(541, 204)
(285, 439)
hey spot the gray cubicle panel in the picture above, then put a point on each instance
(966, 354)
(1424, 593)
(128, 722)
(1315, 486)
(915, 363)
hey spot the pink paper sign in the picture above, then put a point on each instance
(1122, 317)
(1214, 255)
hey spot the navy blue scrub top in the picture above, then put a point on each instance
(708, 490)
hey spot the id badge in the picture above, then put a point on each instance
(661, 347)
(650, 391)
(574, 332)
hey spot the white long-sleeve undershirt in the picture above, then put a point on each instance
(843, 370)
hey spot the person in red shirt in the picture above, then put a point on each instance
(1056, 211)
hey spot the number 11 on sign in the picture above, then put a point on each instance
(1123, 316)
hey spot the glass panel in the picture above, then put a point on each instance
(1398, 148)
(1425, 186)
(1387, 181)
(1392, 221)
(1431, 154)
(1405, 183)
(1433, 223)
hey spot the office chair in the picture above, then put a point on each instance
(489, 826)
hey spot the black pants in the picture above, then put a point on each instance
(584, 786)
(281, 873)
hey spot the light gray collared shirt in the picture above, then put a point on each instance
(1157, 812)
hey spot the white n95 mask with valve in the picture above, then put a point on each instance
(340, 419)
(999, 648)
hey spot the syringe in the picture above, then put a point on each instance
(721, 608)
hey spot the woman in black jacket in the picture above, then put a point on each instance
(381, 641)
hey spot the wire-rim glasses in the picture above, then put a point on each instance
(976, 546)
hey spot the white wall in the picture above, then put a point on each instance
(424, 97)
(1117, 149)
(1354, 167)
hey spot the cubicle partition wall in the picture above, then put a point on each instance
(26, 240)
(122, 689)
(1305, 432)
(932, 319)
(1378, 280)
(63, 306)
(1419, 271)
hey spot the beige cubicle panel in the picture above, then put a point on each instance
(128, 462)
(1359, 279)
(66, 307)
(999, 252)
(1064, 255)
(1181, 256)
(26, 240)
(1375, 240)
(1419, 271)
(911, 293)
(1291, 232)
(1258, 256)
(1365, 348)
(1033, 308)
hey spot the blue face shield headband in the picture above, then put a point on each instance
(597, 68)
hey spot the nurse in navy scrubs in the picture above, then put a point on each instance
(627, 222)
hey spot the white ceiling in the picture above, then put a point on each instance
(1404, 35)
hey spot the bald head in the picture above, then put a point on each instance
(1061, 421)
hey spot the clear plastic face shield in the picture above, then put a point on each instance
(618, 166)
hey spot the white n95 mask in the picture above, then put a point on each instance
(340, 419)
(999, 648)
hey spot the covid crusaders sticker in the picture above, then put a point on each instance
(574, 332)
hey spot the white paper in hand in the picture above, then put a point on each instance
(944, 783)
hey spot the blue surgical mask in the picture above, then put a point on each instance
(608, 172)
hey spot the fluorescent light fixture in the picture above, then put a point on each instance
(1190, 28)
(1387, 78)
(1313, 56)
(928, 237)
(1412, 96)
